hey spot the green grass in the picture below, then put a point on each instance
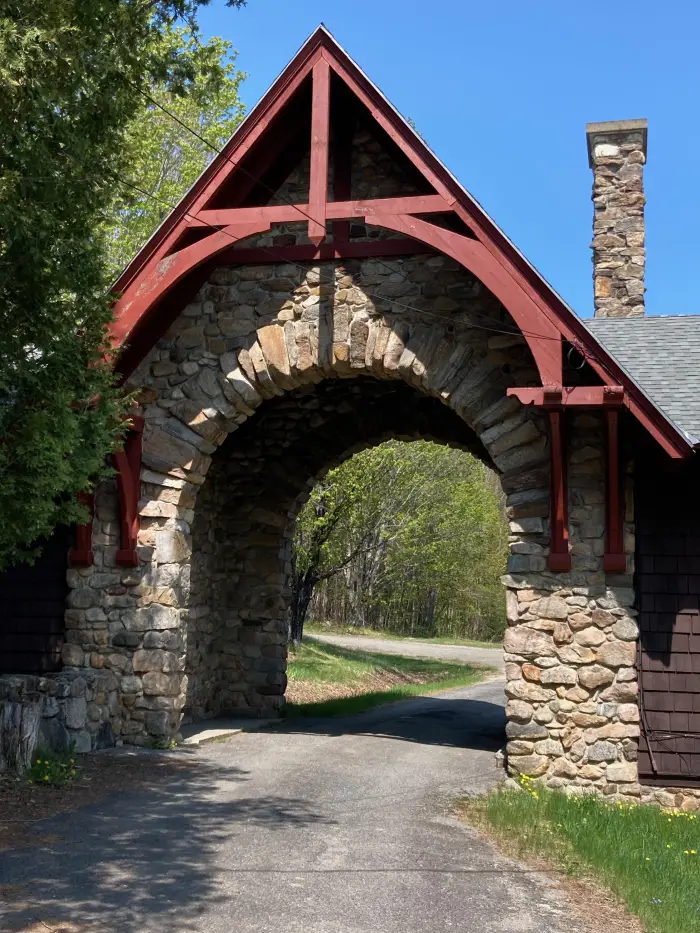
(317, 672)
(648, 858)
(321, 628)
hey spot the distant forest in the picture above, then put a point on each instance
(408, 538)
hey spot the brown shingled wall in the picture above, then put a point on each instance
(668, 588)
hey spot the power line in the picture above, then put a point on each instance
(281, 259)
(258, 181)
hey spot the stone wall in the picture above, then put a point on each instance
(199, 625)
(617, 153)
(77, 706)
(269, 377)
(571, 646)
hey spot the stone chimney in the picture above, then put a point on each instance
(617, 153)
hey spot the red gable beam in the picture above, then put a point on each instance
(320, 131)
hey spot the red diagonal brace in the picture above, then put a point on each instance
(559, 557)
(318, 184)
(127, 462)
(614, 560)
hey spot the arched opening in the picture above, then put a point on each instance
(239, 591)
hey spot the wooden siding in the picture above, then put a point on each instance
(668, 598)
(32, 606)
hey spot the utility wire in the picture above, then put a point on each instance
(505, 331)
(296, 207)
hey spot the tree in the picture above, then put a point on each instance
(433, 543)
(348, 522)
(162, 157)
(72, 73)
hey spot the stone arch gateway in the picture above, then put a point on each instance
(324, 285)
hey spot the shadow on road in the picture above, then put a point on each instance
(137, 856)
(461, 723)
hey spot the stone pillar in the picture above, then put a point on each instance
(617, 153)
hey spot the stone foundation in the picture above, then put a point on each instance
(78, 707)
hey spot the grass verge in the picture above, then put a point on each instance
(648, 858)
(321, 628)
(326, 680)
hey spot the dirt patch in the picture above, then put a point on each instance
(314, 691)
(594, 910)
(25, 807)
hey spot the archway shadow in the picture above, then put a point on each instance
(453, 722)
(147, 859)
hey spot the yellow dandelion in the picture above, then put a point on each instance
(46, 762)
(38, 761)
(647, 859)
(693, 852)
(46, 777)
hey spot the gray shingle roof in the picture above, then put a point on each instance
(662, 355)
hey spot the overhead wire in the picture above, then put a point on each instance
(304, 214)
(395, 304)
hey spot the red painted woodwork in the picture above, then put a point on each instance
(542, 336)
(127, 463)
(320, 130)
(80, 555)
(614, 560)
(563, 396)
(559, 557)
(334, 210)
(160, 276)
(542, 316)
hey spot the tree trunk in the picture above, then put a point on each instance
(19, 731)
(302, 591)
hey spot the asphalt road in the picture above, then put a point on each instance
(490, 657)
(333, 826)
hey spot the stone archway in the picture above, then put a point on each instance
(245, 404)
(371, 282)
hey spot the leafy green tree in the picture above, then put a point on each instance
(72, 73)
(355, 511)
(419, 547)
(162, 157)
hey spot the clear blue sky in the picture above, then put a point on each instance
(502, 91)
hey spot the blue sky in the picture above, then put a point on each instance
(502, 91)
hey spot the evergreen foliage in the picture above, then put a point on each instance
(72, 74)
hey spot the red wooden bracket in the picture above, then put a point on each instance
(320, 117)
(559, 557)
(614, 560)
(127, 463)
(562, 396)
(81, 555)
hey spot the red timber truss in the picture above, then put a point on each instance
(127, 466)
(312, 109)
